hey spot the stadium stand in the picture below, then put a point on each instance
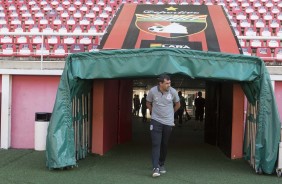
(249, 18)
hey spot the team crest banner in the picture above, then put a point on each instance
(197, 27)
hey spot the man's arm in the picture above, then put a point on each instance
(149, 106)
(176, 106)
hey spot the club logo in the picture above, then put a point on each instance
(171, 24)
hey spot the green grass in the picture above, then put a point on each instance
(189, 160)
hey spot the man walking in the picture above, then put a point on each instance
(163, 102)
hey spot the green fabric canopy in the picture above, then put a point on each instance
(81, 68)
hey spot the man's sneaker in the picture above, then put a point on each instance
(162, 169)
(156, 172)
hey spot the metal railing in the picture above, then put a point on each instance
(44, 34)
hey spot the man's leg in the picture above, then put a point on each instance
(165, 137)
(156, 136)
(180, 114)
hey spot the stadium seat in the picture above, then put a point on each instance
(268, 16)
(75, 48)
(241, 16)
(69, 40)
(38, 14)
(15, 21)
(77, 29)
(278, 32)
(274, 23)
(77, 14)
(89, 3)
(98, 21)
(36, 39)
(250, 31)
(71, 21)
(59, 51)
(22, 39)
(43, 2)
(91, 29)
(57, 21)
(90, 14)
(62, 29)
(249, 9)
(264, 53)
(6, 39)
(65, 14)
(259, 23)
(265, 31)
(84, 21)
(43, 21)
(4, 28)
(247, 51)
(242, 42)
(48, 28)
(33, 28)
(262, 10)
(8, 50)
(25, 50)
(51, 40)
(275, 10)
(29, 21)
(245, 23)
(92, 47)
(72, 8)
(272, 43)
(255, 43)
(18, 28)
(83, 8)
(86, 40)
(254, 16)
(278, 54)
(39, 50)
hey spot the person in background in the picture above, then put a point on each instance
(200, 109)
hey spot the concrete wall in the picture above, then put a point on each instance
(30, 94)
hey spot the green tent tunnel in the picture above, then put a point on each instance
(263, 123)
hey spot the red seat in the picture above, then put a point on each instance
(25, 50)
(92, 47)
(76, 48)
(264, 53)
(59, 50)
(278, 54)
(8, 50)
(39, 50)
(247, 51)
